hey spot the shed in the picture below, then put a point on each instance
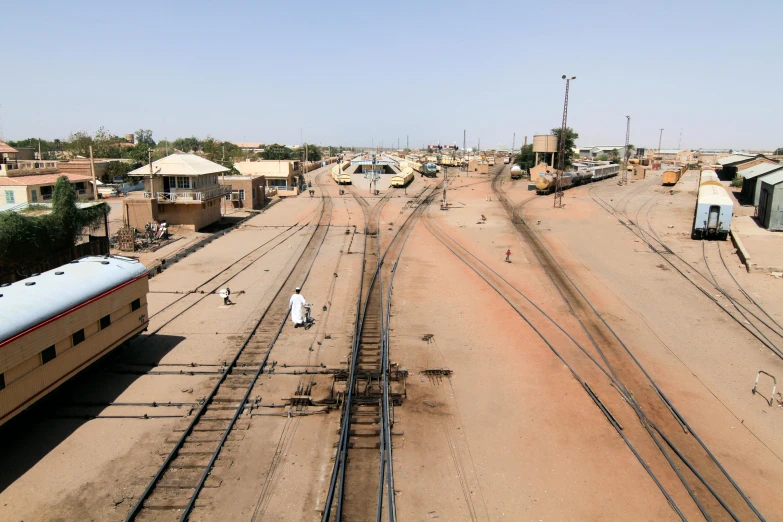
(751, 186)
(771, 201)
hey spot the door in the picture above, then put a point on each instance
(712, 220)
(166, 184)
(34, 195)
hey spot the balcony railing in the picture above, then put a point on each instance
(189, 196)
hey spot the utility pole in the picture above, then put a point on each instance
(625, 161)
(679, 145)
(562, 148)
(92, 170)
(513, 142)
(444, 203)
(660, 137)
(464, 146)
(407, 142)
(479, 145)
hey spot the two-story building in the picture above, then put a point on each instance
(32, 181)
(282, 177)
(180, 189)
(247, 192)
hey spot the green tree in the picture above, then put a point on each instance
(119, 169)
(144, 137)
(191, 144)
(614, 156)
(570, 141)
(526, 157)
(277, 152)
(78, 144)
(314, 153)
(630, 151)
(779, 152)
(603, 157)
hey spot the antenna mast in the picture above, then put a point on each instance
(625, 155)
(561, 149)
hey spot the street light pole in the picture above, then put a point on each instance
(561, 149)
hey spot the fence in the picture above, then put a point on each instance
(96, 246)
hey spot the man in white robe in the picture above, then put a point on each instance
(297, 303)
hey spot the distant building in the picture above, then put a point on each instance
(249, 146)
(601, 150)
(247, 192)
(32, 181)
(732, 166)
(283, 176)
(181, 189)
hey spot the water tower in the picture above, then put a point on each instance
(546, 144)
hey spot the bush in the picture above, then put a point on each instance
(26, 239)
(736, 182)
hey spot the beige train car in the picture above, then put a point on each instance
(55, 324)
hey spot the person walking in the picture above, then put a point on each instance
(226, 295)
(508, 255)
(297, 303)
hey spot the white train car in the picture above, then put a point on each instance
(713, 214)
(55, 324)
(709, 177)
(604, 171)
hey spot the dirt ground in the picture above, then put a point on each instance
(506, 434)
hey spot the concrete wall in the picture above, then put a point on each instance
(193, 216)
(82, 166)
(137, 212)
(18, 194)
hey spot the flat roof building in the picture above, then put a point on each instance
(771, 202)
(278, 174)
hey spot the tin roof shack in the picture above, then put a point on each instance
(280, 175)
(771, 201)
(751, 178)
(732, 166)
(246, 191)
(180, 189)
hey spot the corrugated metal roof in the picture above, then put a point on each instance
(759, 170)
(669, 151)
(773, 179)
(24, 305)
(734, 158)
(180, 165)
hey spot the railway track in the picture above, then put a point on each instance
(372, 387)
(749, 315)
(711, 489)
(174, 489)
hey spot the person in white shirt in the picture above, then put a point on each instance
(297, 303)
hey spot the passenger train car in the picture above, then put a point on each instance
(339, 175)
(585, 173)
(402, 179)
(714, 208)
(55, 324)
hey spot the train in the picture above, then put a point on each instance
(55, 324)
(714, 208)
(673, 175)
(585, 173)
(339, 175)
(403, 179)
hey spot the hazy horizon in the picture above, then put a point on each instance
(262, 73)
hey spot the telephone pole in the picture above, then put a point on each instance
(558, 203)
(513, 142)
(660, 137)
(625, 161)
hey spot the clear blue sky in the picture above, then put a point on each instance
(353, 72)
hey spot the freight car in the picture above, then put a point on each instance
(713, 213)
(55, 324)
(402, 179)
(673, 175)
(429, 169)
(516, 172)
(545, 183)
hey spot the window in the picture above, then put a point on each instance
(34, 195)
(241, 194)
(48, 355)
(78, 337)
(135, 305)
(227, 197)
(183, 182)
(105, 321)
(9, 196)
(2, 381)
